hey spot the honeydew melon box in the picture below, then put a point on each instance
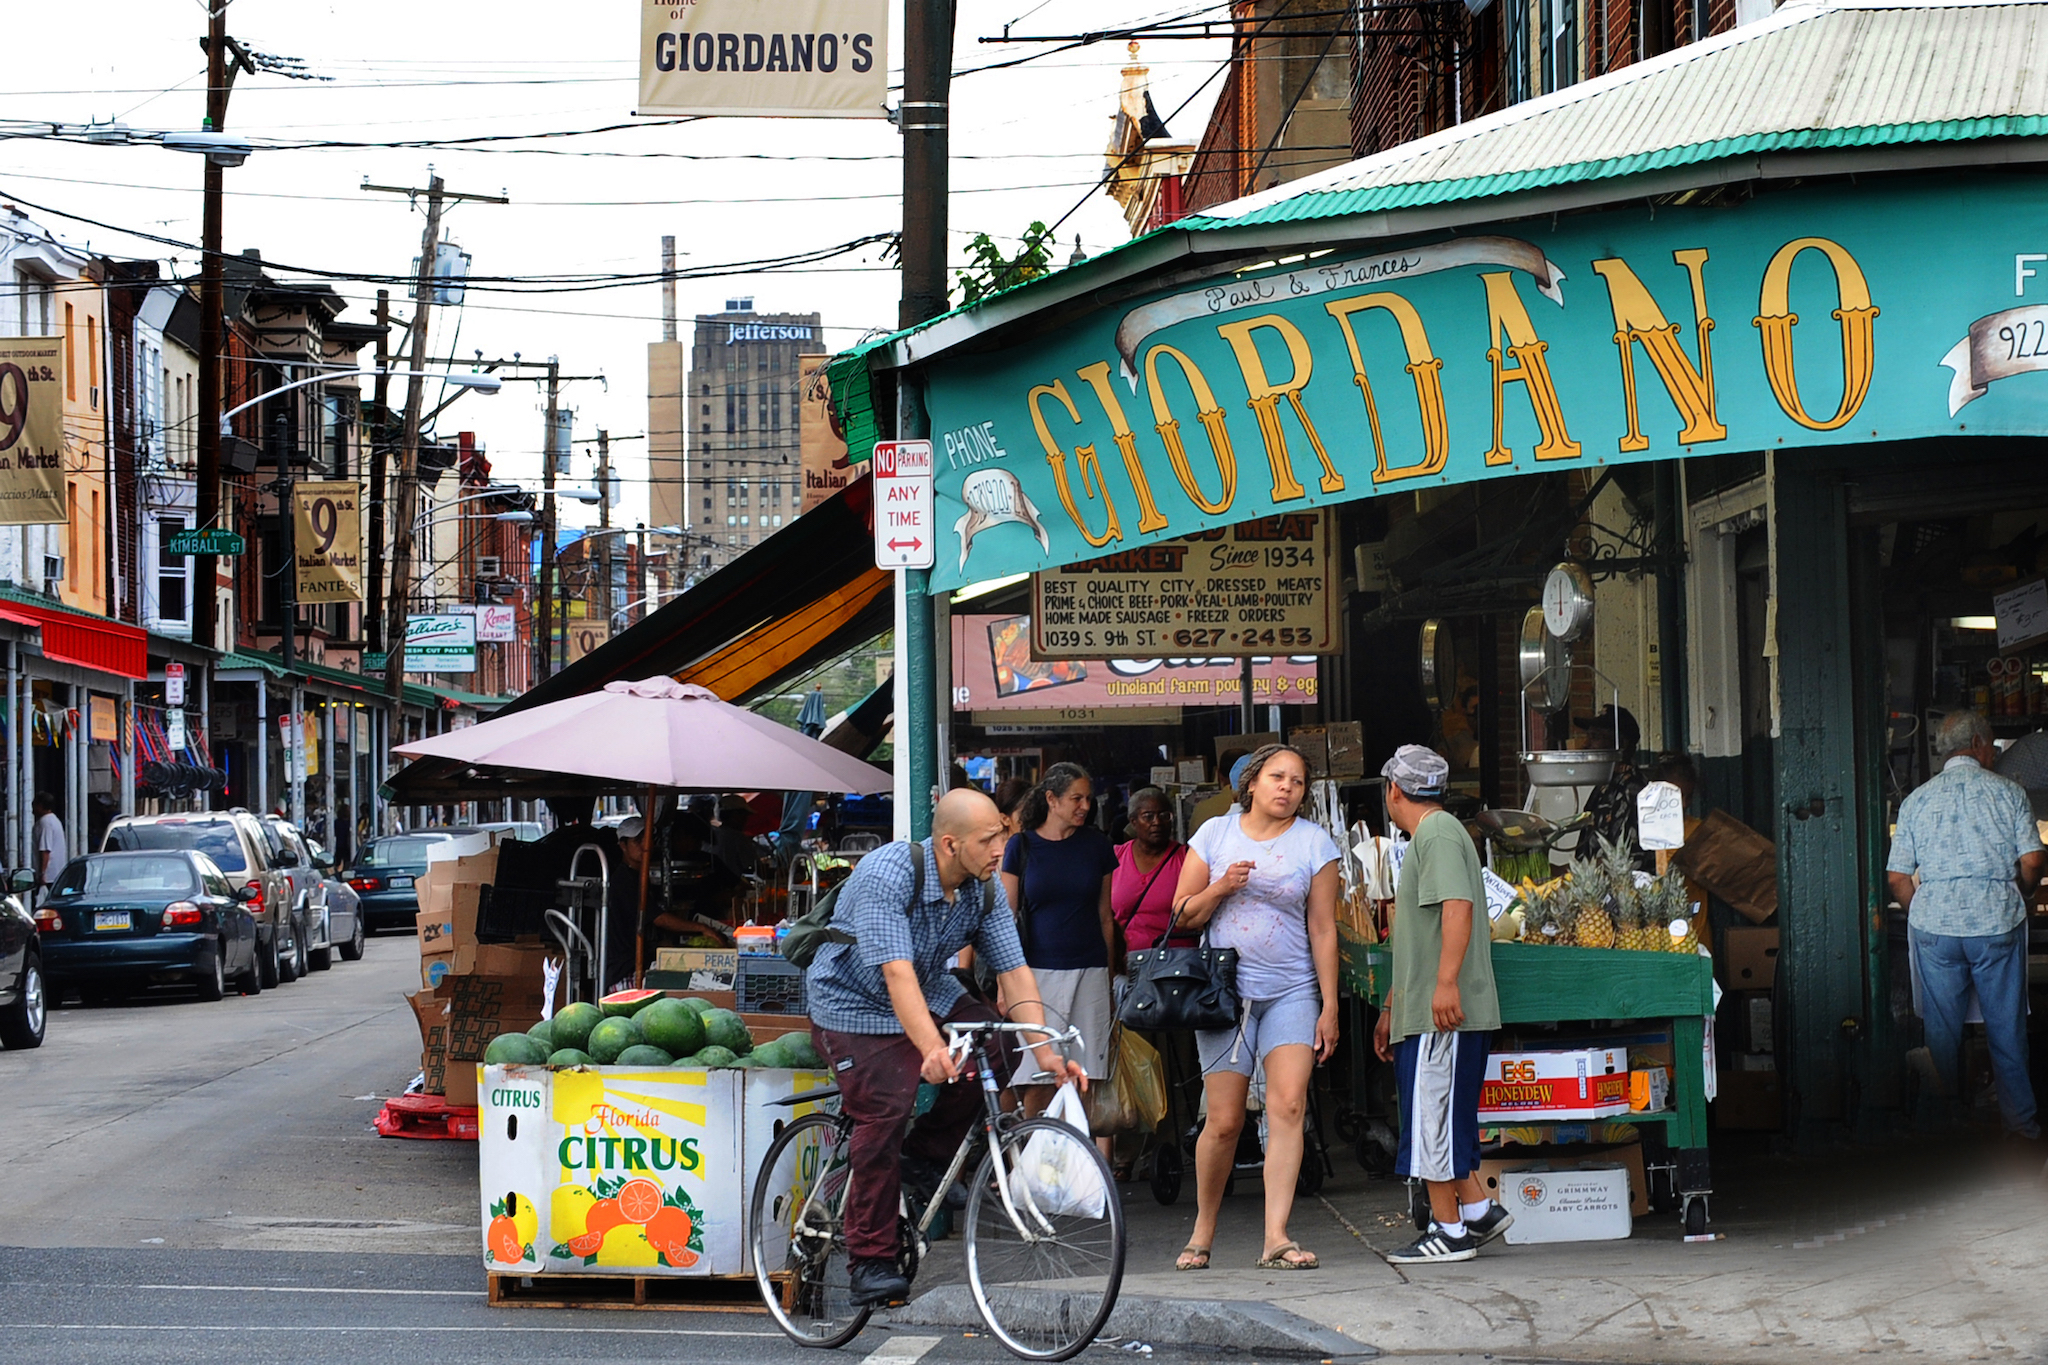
(611, 1170)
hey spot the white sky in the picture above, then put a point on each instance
(1027, 143)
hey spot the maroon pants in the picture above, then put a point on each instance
(877, 1075)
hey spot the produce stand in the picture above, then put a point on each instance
(1540, 985)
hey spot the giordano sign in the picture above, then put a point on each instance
(1803, 318)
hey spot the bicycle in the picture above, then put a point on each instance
(1044, 1234)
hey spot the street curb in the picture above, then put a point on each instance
(1237, 1325)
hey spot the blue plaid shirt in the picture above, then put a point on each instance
(1963, 831)
(844, 985)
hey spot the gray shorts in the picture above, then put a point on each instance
(1265, 1025)
(1080, 998)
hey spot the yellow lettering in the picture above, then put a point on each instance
(1504, 312)
(1853, 310)
(1266, 396)
(1091, 469)
(1639, 322)
(1424, 367)
(1211, 416)
(1150, 518)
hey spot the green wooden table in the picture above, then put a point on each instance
(1560, 985)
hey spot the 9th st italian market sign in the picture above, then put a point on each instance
(1802, 318)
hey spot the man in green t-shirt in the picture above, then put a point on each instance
(1436, 1023)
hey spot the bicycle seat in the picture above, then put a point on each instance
(830, 1092)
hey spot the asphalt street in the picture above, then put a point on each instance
(193, 1182)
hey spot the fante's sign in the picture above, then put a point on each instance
(440, 644)
(32, 431)
(1247, 589)
(327, 540)
(796, 58)
(1806, 318)
(994, 670)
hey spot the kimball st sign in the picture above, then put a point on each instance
(1801, 318)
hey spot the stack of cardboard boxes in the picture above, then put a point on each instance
(470, 991)
(1750, 1097)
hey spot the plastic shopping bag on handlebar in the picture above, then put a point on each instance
(1055, 1174)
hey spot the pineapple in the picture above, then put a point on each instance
(1635, 932)
(1539, 914)
(1666, 900)
(1591, 926)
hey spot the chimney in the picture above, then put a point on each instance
(668, 289)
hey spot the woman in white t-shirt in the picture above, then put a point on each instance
(1263, 880)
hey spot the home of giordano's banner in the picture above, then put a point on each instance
(1801, 318)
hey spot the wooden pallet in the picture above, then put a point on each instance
(671, 1293)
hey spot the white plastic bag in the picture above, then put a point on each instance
(1054, 1175)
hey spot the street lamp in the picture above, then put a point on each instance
(479, 383)
(219, 149)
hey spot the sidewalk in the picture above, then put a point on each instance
(1903, 1252)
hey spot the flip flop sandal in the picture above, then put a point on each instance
(1192, 1250)
(1277, 1259)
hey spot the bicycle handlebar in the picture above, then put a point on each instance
(963, 1035)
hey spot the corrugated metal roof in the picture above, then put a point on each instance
(1813, 75)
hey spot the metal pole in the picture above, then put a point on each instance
(203, 675)
(544, 591)
(205, 573)
(288, 567)
(1245, 723)
(373, 617)
(262, 745)
(604, 521)
(296, 756)
(125, 743)
(927, 75)
(409, 453)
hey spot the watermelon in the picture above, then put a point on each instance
(724, 1028)
(801, 1052)
(572, 1025)
(690, 1063)
(769, 1055)
(715, 1056)
(569, 1056)
(515, 1049)
(699, 1004)
(612, 1037)
(642, 1054)
(672, 1026)
(748, 1063)
(543, 1032)
(626, 1004)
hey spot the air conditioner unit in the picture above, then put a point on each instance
(487, 566)
(53, 574)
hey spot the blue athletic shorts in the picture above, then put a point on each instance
(1438, 1076)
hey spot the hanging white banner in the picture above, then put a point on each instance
(791, 58)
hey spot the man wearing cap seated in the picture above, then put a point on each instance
(1441, 1011)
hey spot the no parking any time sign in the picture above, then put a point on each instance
(903, 505)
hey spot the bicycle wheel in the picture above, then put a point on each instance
(1045, 1240)
(796, 1233)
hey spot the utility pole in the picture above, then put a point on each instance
(380, 449)
(544, 595)
(437, 193)
(922, 116)
(288, 567)
(604, 521)
(220, 77)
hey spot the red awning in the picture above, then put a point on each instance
(88, 641)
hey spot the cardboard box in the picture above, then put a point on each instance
(1336, 750)
(1627, 1155)
(1753, 1022)
(483, 959)
(1751, 1098)
(480, 1007)
(697, 969)
(1735, 863)
(452, 922)
(1749, 957)
(461, 1078)
(430, 1008)
(1568, 1204)
(1240, 744)
(1649, 1091)
(1519, 1087)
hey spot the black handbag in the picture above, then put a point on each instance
(1181, 988)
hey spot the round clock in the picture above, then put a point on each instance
(1567, 601)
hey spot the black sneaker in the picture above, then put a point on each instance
(1436, 1245)
(1490, 1224)
(877, 1282)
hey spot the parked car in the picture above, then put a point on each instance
(345, 925)
(383, 877)
(525, 831)
(238, 846)
(312, 929)
(24, 989)
(119, 921)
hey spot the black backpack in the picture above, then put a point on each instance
(814, 930)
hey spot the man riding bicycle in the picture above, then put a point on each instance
(877, 1004)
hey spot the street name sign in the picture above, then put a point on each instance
(904, 535)
(208, 542)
